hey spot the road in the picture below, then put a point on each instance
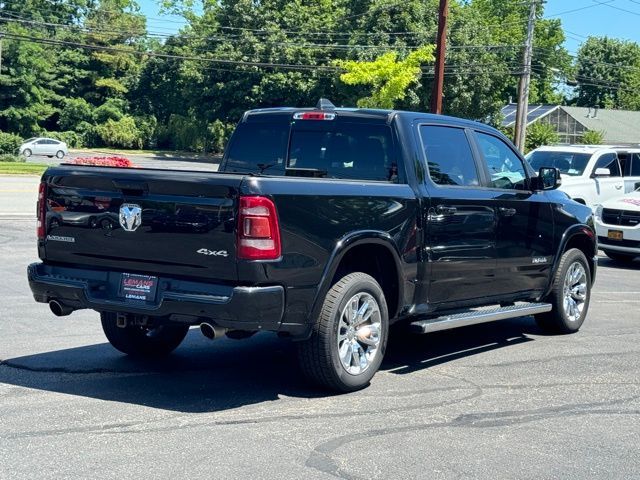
(491, 401)
(177, 161)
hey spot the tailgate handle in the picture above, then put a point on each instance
(131, 186)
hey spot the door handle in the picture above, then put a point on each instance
(507, 212)
(618, 187)
(445, 210)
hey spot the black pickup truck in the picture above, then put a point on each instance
(325, 225)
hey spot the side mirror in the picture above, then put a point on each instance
(602, 172)
(549, 178)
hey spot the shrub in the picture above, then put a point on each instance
(183, 133)
(540, 133)
(112, 109)
(219, 133)
(111, 161)
(10, 143)
(10, 157)
(592, 137)
(75, 111)
(119, 133)
(72, 139)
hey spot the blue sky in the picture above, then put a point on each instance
(613, 18)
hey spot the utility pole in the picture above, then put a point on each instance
(523, 86)
(441, 47)
(1, 37)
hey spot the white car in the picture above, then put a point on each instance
(591, 174)
(44, 146)
(618, 227)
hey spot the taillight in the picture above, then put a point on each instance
(258, 230)
(42, 211)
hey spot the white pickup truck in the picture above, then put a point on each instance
(591, 174)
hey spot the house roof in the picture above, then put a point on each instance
(534, 113)
(619, 126)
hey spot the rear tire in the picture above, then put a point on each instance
(349, 337)
(569, 295)
(139, 341)
(619, 256)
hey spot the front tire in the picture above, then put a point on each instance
(349, 339)
(619, 256)
(569, 295)
(27, 153)
(140, 341)
(60, 154)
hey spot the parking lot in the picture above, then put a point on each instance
(490, 401)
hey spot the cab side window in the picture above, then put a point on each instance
(504, 167)
(449, 156)
(610, 161)
(634, 168)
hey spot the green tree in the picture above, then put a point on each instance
(387, 76)
(607, 73)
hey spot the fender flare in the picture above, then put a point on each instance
(342, 247)
(568, 234)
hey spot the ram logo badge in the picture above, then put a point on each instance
(130, 216)
(218, 253)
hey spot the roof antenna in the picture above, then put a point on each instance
(324, 104)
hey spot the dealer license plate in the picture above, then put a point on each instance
(138, 287)
(615, 235)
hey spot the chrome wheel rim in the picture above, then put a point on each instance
(575, 291)
(359, 333)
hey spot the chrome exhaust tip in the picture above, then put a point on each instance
(212, 331)
(59, 309)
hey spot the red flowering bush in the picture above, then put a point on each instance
(111, 161)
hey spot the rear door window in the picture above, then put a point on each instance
(610, 161)
(449, 156)
(634, 168)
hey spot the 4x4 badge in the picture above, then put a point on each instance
(130, 216)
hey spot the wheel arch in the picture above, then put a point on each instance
(584, 239)
(371, 252)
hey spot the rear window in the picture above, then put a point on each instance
(327, 149)
(569, 163)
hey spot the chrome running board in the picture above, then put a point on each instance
(478, 315)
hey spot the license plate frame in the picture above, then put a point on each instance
(616, 235)
(136, 287)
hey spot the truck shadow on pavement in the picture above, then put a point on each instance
(206, 376)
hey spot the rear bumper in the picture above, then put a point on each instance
(237, 307)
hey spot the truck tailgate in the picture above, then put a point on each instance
(142, 221)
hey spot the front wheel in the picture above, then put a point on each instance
(60, 154)
(27, 153)
(142, 341)
(569, 295)
(619, 256)
(350, 336)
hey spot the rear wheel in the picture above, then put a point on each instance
(569, 296)
(619, 256)
(350, 336)
(142, 341)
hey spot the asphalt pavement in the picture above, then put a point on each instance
(490, 401)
